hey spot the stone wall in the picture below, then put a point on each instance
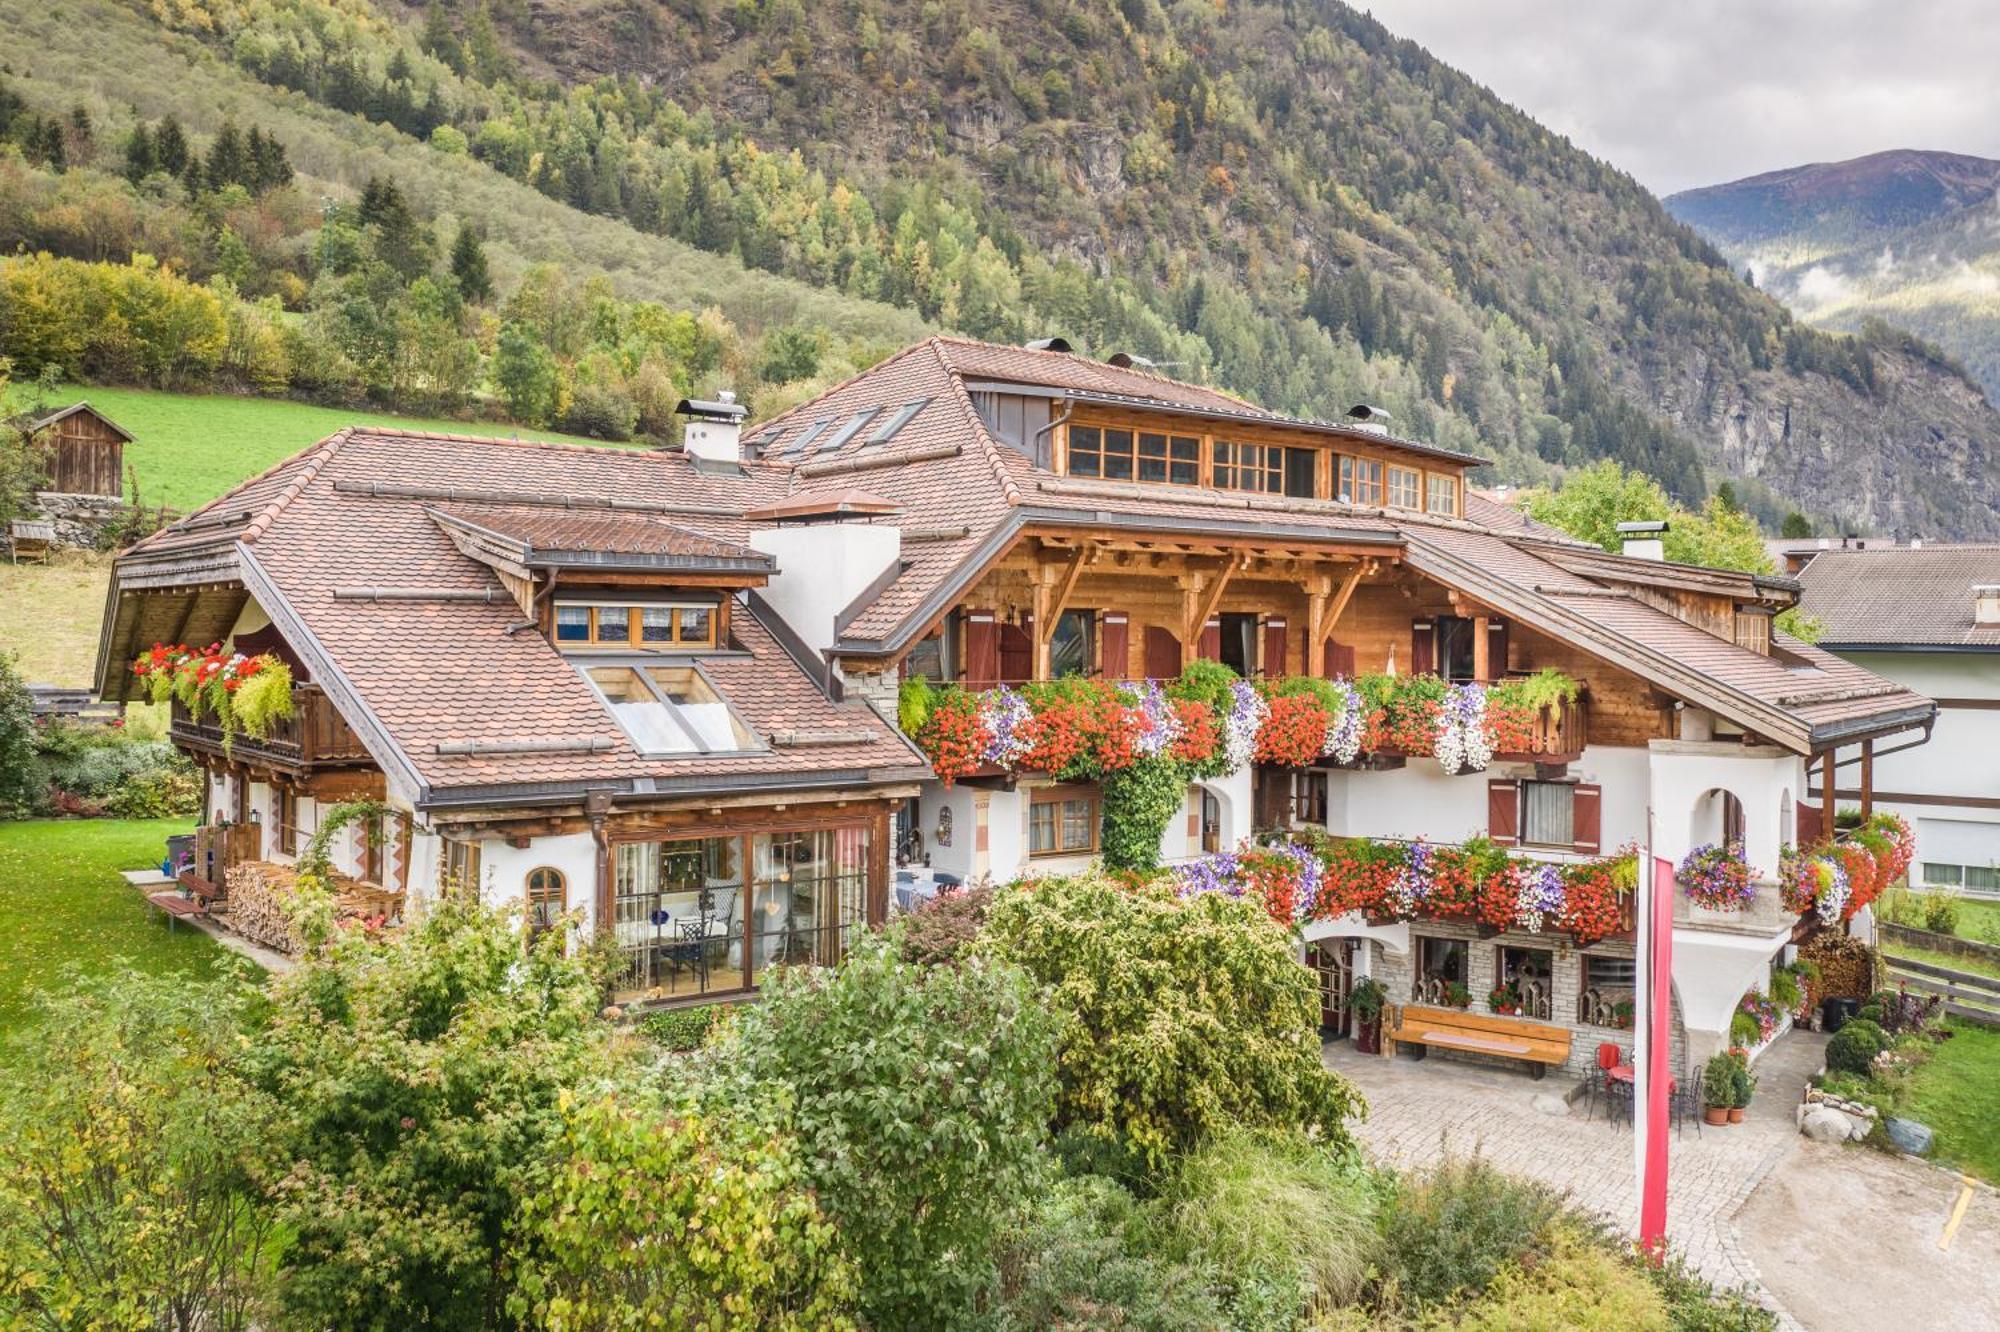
(1396, 972)
(79, 519)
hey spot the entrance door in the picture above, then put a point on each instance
(1211, 823)
(1333, 959)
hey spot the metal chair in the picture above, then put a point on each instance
(691, 951)
(1687, 1101)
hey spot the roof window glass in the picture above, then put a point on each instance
(670, 710)
(904, 414)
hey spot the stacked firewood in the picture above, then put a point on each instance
(259, 891)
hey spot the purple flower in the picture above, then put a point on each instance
(1239, 727)
(1003, 711)
(1541, 897)
(1343, 737)
(1159, 725)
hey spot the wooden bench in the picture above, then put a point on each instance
(1539, 1043)
(176, 907)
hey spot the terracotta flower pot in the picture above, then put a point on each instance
(1715, 1116)
(1736, 1114)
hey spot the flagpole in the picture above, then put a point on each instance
(1642, 1028)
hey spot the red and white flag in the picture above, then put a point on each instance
(1652, 1062)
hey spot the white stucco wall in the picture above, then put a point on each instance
(1961, 760)
(822, 568)
(504, 871)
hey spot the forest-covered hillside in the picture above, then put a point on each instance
(1280, 198)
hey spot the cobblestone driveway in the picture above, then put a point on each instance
(1420, 1111)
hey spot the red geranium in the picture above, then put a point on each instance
(1510, 730)
(1056, 735)
(1593, 902)
(1500, 897)
(1294, 731)
(1355, 880)
(1199, 734)
(954, 737)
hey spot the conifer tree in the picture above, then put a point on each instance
(170, 147)
(468, 266)
(226, 158)
(139, 162)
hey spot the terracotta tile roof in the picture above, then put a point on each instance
(548, 531)
(1902, 597)
(435, 672)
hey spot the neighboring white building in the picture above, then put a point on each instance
(1927, 617)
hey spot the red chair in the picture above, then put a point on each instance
(1599, 1082)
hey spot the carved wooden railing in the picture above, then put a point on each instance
(315, 734)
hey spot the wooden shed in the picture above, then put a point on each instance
(85, 450)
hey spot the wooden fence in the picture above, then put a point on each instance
(1967, 995)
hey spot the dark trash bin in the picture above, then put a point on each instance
(1834, 1013)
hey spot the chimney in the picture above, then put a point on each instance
(1986, 603)
(714, 429)
(832, 549)
(1371, 419)
(1644, 541)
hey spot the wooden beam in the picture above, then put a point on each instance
(1867, 778)
(1482, 659)
(1340, 600)
(1202, 599)
(1826, 790)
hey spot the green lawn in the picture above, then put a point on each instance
(190, 447)
(1957, 1093)
(63, 906)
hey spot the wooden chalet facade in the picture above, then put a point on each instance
(513, 632)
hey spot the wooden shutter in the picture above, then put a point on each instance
(1114, 655)
(1163, 653)
(1339, 660)
(1806, 823)
(1210, 648)
(1587, 820)
(1017, 650)
(1496, 649)
(1423, 648)
(1274, 646)
(982, 650)
(1503, 811)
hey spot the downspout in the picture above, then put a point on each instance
(596, 807)
(1034, 440)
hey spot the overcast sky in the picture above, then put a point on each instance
(1695, 92)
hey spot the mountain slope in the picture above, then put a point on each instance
(1280, 198)
(1910, 238)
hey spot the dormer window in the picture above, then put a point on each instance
(1441, 495)
(1360, 480)
(652, 626)
(1406, 485)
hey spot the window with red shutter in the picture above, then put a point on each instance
(982, 650)
(1114, 645)
(1423, 645)
(1588, 815)
(1274, 646)
(1339, 659)
(1503, 811)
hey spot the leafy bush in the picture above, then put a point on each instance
(656, 1221)
(127, 1197)
(1449, 1230)
(1941, 911)
(1274, 1211)
(1086, 1257)
(939, 931)
(20, 781)
(1576, 1284)
(922, 1098)
(1743, 1031)
(80, 767)
(1189, 1016)
(1695, 1305)
(1853, 1048)
(420, 1074)
(600, 411)
(682, 1029)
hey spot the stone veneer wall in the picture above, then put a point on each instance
(1395, 972)
(79, 519)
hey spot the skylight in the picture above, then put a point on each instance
(811, 433)
(887, 430)
(670, 710)
(849, 429)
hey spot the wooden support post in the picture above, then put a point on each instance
(1482, 664)
(1055, 582)
(1201, 596)
(1867, 778)
(1826, 790)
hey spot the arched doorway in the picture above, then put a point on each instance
(1718, 818)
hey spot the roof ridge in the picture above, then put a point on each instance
(512, 441)
(289, 460)
(315, 459)
(1096, 364)
(1009, 488)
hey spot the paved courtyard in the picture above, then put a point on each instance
(1422, 1111)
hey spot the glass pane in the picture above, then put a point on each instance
(1118, 455)
(1946, 875)
(811, 895)
(1984, 878)
(1041, 827)
(701, 708)
(647, 720)
(1076, 825)
(656, 624)
(697, 624)
(1069, 646)
(1548, 813)
(1085, 451)
(614, 624)
(572, 624)
(677, 910)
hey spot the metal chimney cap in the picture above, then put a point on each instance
(1642, 529)
(725, 409)
(1362, 411)
(1059, 344)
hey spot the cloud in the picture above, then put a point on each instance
(1695, 92)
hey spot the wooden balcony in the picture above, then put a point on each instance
(1557, 735)
(314, 736)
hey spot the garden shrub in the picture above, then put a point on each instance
(1869, 1013)
(170, 791)
(1744, 1031)
(1187, 1016)
(657, 1220)
(682, 1029)
(1274, 1211)
(1576, 1283)
(420, 1074)
(922, 1097)
(1086, 1257)
(80, 767)
(21, 782)
(1447, 1231)
(1693, 1304)
(1941, 911)
(1853, 1048)
(129, 1198)
(939, 931)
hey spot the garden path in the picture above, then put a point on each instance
(1419, 1112)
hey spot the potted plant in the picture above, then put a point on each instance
(1504, 999)
(1457, 996)
(1741, 1084)
(1365, 1002)
(1718, 1090)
